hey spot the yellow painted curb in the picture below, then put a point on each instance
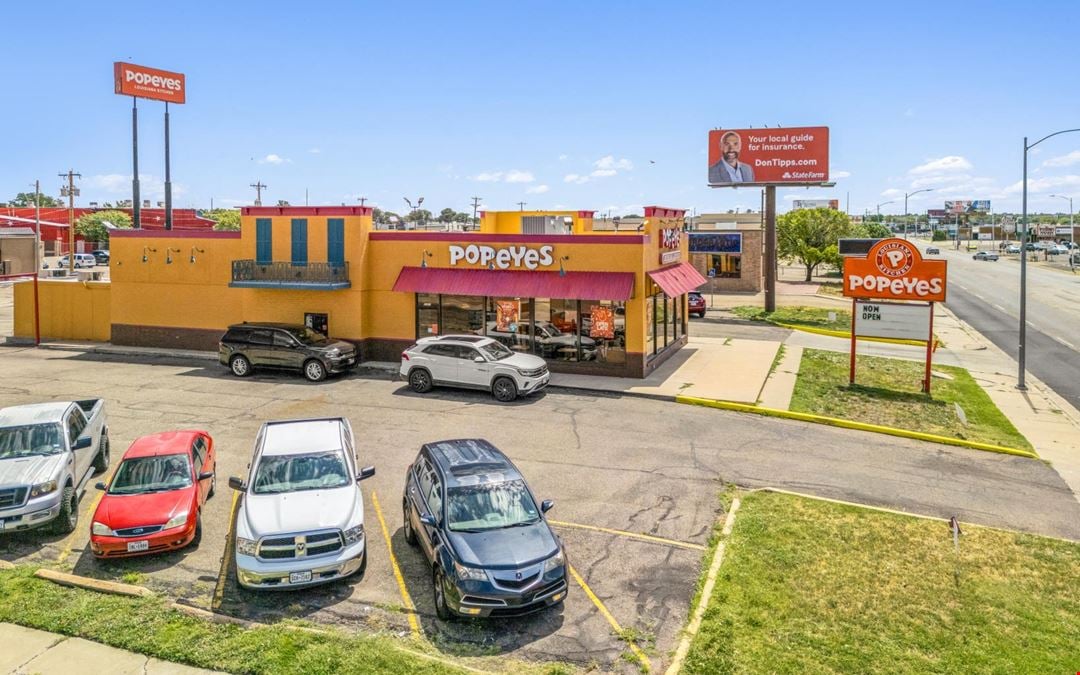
(850, 424)
(847, 335)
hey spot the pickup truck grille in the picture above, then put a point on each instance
(300, 546)
(13, 497)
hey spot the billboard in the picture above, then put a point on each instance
(894, 269)
(968, 206)
(143, 82)
(792, 156)
(833, 204)
(715, 242)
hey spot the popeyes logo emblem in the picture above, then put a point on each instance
(894, 270)
(671, 238)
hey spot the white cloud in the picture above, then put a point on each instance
(489, 177)
(315, 151)
(609, 162)
(1064, 160)
(512, 176)
(563, 157)
(575, 178)
(1045, 184)
(538, 190)
(602, 173)
(273, 159)
(839, 174)
(892, 192)
(949, 163)
(515, 176)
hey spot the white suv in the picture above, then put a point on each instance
(301, 516)
(474, 363)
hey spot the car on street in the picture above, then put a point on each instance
(933, 250)
(1012, 248)
(248, 346)
(155, 499)
(101, 256)
(985, 255)
(472, 515)
(301, 516)
(695, 303)
(81, 260)
(48, 453)
(472, 362)
(1058, 249)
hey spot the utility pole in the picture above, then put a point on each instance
(521, 206)
(475, 205)
(70, 191)
(259, 187)
(37, 260)
(362, 200)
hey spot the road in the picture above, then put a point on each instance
(987, 296)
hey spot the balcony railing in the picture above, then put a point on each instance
(315, 275)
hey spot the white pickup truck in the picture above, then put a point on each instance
(301, 515)
(48, 453)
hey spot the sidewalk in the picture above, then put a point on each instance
(27, 650)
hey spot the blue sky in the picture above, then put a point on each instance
(598, 105)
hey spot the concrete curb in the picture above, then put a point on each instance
(113, 587)
(847, 335)
(850, 424)
(5, 565)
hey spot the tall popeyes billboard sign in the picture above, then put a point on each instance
(792, 155)
(143, 82)
(894, 270)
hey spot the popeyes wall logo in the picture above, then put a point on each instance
(895, 270)
(671, 238)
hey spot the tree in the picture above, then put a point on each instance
(810, 236)
(871, 231)
(226, 220)
(27, 199)
(93, 226)
(418, 216)
(447, 216)
(378, 215)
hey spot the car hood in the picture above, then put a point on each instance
(340, 345)
(30, 470)
(263, 515)
(156, 508)
(523, 361)
(511, 547)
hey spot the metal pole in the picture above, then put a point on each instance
(851, 370)
(1023, 277)
(71, 222)
(929, 351)
(37, 260)
(135, 202)
(168, 179)
(770, 248)
(905, 217)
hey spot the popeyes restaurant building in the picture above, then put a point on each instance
(539, 282)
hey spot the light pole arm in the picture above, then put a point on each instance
(1056, 133)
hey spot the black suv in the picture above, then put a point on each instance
(491, 551)
(277, 345)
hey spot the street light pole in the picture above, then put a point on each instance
(1072, 236)
(883, 204)
(906, 211)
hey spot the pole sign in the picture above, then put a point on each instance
(894, 269)
(787, 156)
(892, 320)
(144, 82)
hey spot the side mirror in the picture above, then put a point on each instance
(82, 443)
(478, 359)
(100, 486)
(366, 472)
(428, 519)
(237, 484)
(206, 475)
(546, 505)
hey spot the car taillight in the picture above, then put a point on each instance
(404, 356)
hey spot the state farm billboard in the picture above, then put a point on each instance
(894, 269)
(795, 155)
(159, 85)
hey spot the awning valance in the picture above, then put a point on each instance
(517, 284)
(677, 280)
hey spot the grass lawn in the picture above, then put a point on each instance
(835, 290)
(888, 392)
(149, 626)
(813, 587)
(815, 317)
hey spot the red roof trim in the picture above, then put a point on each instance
(515, 284)
(305, 210)
(474, 237)
(663, 212)
(585, 214)
(174, 234)
(677, 280)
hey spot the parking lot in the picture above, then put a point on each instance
(635, 485)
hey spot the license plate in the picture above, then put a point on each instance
(134, 546)
(299, 577)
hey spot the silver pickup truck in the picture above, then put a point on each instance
(48, 453)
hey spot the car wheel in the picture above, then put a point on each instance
(314, 370)
(420, 381)
(101, 462)
(504, 390)
(213, 487)
(240, 366)
(410, 534)
(363, 564)
(442, 610)
(69, 512)
(198, 530)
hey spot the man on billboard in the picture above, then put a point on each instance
(729, 169)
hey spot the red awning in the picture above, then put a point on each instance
(677, 280)
(514, 284)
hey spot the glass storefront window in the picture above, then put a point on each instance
(508, 322)
(726, 266)
(462, 314)
(557, 333)
(650, 325)
(427, 315)
(604, 322)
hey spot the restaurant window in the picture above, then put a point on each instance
(427, 315)
(462, 314)
(650, 324)
(508, 322)
(556, 331)
(676, 317)
(725, 266)
(604, 322)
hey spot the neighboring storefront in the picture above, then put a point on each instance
(539, 282)
(728, 255)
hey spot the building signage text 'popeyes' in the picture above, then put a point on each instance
(894, 269)
(502, 258)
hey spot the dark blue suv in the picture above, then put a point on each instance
(491, 551)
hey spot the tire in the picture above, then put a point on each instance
(442, 610)
(213, 486)
(240, 365)
(363, 564)
(420, 380)
(101, 462)
(314, 370)
(409, 533)
(68, 519)
(197, 539)
(504, 389)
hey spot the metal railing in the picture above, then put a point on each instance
(290, 273)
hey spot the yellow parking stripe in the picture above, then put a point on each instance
(69, 540)
(230, 542)
(632, 535)
(410, 608)
(645, 662)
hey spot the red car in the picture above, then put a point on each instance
(154, 501)
(695, 304)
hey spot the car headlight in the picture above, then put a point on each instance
(469, 573)
(102, 529)
(333, 353)
(42, 489)
(245, 546)
(354, 534)
(555, 561)
(176, 521)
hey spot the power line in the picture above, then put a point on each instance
(259, 187)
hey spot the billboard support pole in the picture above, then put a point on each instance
(135, 203)
(770, 248)
(168, 179)
(851, 373)
(929, 351)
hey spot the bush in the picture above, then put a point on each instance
(939, 235)
(92, 225)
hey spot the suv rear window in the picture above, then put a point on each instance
(236, 335)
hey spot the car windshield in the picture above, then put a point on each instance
(490, 507)
(32, 439)
(292, 473)
(496, 351)
(307, 336)
(548, 330)
(152, 474)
